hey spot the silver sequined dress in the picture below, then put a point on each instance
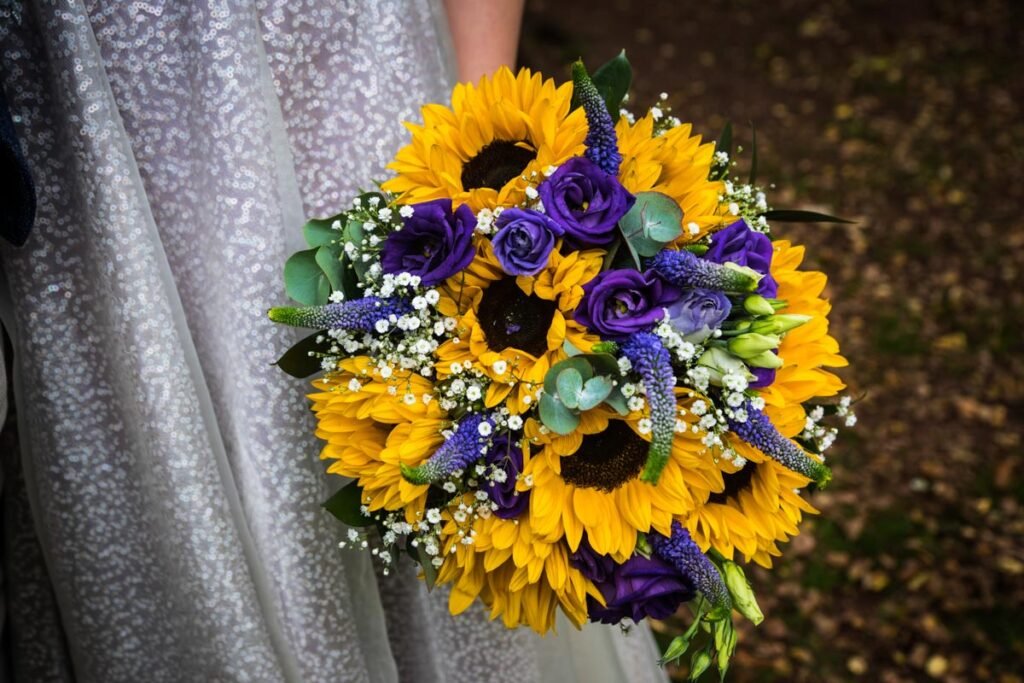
(162, 520)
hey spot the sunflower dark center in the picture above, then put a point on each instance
(511, 317)
(496, 164)
(735, 482)
(606, 460)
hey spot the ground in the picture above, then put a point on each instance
(907, 118)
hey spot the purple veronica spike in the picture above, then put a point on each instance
(684, 269)
(357, 315)
(651, 360)
(458, 452)
(680, 551)
(602, 145)
(759, 432)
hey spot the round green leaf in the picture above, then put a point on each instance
(569, 383)
(595, 390)
(304, 280)
(654, 220)
(318, 231)
(556, 416)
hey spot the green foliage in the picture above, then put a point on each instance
(346, 504)
(297, 360)
(578, 383)
(724, 144)
(612, 81)
(653, 221)
(304, 280)
(799, 216)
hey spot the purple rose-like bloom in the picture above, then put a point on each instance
(586, 201)
(745, 247)
(619, 303)
(699, 312)
(524, 241)
(434, 243)
(638, 588)
(764, 377)
(508, 457)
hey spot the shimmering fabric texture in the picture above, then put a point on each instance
(171, 471)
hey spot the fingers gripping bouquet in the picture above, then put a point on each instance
(564, 364)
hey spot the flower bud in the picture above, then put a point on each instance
(758, 305)
(748, 345)
(742, 594)
(720, 362)
(765, 359)
(699, 663)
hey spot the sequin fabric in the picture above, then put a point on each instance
(172, 471)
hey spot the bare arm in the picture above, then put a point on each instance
(485, 33)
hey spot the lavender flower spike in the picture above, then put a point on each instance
(358, 315)
(759, 432)
(651, 360)
(458, 452)
(680, 551)
(602, 145)
(684, 269)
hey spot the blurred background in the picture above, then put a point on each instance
(907, 118)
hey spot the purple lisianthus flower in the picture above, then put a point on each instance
(698, 313)
(640, 587)
(745, 247)
(524, 241)
(618, 303)
(506, 455)
(434, 243)
(586, 201)
(763, 377)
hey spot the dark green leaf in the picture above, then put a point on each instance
(612, 80)
(345, 506)
(304, 281)
(798, 216)
(318, 231)
(349, 280)
(330, 263)
(753, 154)
(297, 362)
(724, 144)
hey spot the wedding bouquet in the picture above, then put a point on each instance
(564, 363)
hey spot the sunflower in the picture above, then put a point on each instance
(520, 577)
(759, 507)
(589, 481)
(495, 135)
(676, 164)
(513, 329)
(371, 430)
(807, 350)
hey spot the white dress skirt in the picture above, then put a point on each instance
(162, 519)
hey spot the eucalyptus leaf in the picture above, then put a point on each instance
(799, 216)
(570, 384)
(612, 80)
(556, 416)
(304, 280)
(330, 263)
(594, 392)
(429, 573)
(618, 402)
(318, 231)
(297, 362)
(570, 349)
(653, 221)
(579, 363)
(346, 504)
